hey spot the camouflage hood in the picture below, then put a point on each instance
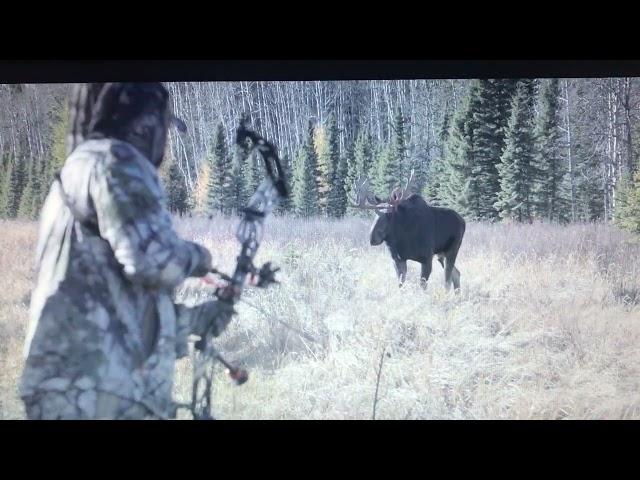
(137, 113)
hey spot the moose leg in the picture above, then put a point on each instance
(449, 275)
(456, 279)
(401, 270)
(426, 273)
(441, 259)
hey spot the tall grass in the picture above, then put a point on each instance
(546, 325)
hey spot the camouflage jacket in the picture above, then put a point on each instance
(101, 315)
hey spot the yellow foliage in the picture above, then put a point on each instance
(201, 190)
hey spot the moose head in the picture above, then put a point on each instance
(365, 199)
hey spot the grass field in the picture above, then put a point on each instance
(547, 325)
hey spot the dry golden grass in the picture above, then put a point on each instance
(547, 325)
(17, 247)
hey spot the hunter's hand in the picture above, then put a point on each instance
(204, 266)
(213, 317)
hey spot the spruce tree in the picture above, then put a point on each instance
(305, 190)
(386, 171)
(43, 185)
(588, 176)
(286, 204)
(312, 163)
(36, 188)
(351, 172)
(627, 210)
(359, 160)
(391, 165)
(16, 185)
(398, 151)
(490, 114)
(25, 208)
(431, 189)
(339, 194)
(589, 189)
(59, 152)
(5, 176)
(549, 195)
(435, 170)
(514, 198)
(419, 164)
(457, 187)
(218, 187)
(177, 190)
(363, 154)
(336, 198)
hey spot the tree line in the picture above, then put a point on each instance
(508, 149)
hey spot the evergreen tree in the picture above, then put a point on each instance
(43, 185)
(4, 166)
(340, 192)
(458, 188)
(5, 176)
(435, 171)
(36, 189)
(177, 197)
(589, 189)
(305, 188)
(336, 198)
(286, 204)
(549, 195)
(627, 210)
(58, 146)
(514, 198)
(419, 164)
(386, 172)
(398, 151)
(432, 185)
(25, 208)
(16, 185)
(391, 166)
(588, 176)
(359, 160)
(351, 173)
(218, 187)
(490, 115)
(363, 155)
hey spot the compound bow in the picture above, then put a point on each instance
(249, 233)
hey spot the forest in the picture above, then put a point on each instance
(556, 150)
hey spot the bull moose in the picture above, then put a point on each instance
(413, 230)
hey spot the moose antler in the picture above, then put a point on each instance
(399, 194)
(364, 198)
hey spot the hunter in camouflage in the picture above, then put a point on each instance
(104, 333)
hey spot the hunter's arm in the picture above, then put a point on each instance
(132, 217)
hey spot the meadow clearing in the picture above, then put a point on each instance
(547, 324)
